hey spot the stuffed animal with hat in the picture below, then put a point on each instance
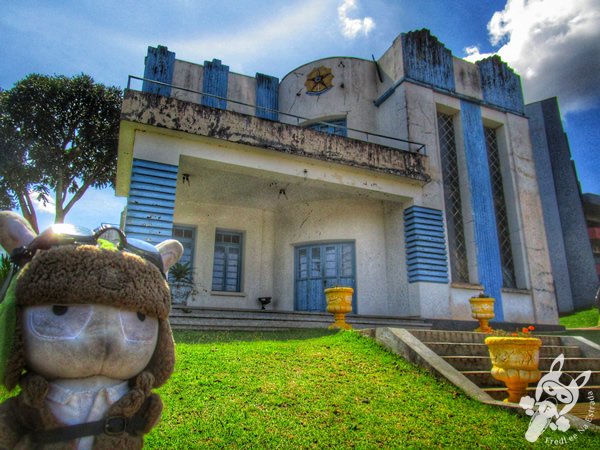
(84, 333)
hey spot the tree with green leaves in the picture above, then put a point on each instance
(57, 135)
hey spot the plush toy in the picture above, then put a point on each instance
(84, 333)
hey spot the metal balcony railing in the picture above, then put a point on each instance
(366, 136)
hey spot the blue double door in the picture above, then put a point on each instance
(320, 266)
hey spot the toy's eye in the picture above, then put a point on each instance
(58, 321)
(59, 310)
(137, 326)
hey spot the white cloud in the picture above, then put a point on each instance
(288, 30)
(353, 27)
(473, 54)
(554, 45)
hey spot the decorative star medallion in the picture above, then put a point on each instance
(319, 81)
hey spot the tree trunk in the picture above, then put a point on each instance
(28, 210)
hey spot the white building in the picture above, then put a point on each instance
(410, 179)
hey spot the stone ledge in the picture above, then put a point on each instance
(193, 118)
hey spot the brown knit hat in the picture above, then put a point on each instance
(87, 274)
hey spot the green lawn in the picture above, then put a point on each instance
(318, 389)
(311, 390)
(581, 319)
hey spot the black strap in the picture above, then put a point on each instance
(112, 426)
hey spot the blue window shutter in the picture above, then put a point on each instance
(501, 86)
(427, 60)
(151, 201)
(426, 258)
(267, 96)
(214, 82)
(160, 64)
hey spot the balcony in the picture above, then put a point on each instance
(238, 124)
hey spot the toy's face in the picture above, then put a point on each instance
(79, 341)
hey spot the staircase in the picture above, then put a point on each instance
(468, 353)
(199, 318)
(465, 362)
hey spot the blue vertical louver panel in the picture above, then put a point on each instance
(151, 201)
(267, 96)
(501, 86)
(214, 82)
(427, 60)
(426, 257)
(489, 266)
(159, 67)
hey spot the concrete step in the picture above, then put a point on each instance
(480, 363)
(484, 378)
(195, 318)
(469, 337)
(587, 411)
(459, 348)
(499, 393)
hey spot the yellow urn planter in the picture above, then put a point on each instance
(339, 303)
(515, 362)
(482, 309)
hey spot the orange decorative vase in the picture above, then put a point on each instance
(515, 362)
(482, 309)
(339, 303)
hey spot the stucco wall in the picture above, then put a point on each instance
(271, 236)
(189, 76)
(256, 225)
(355, 86)
(356, 220)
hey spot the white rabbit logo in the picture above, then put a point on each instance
(555, 393)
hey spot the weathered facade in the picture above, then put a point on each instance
(411, 179)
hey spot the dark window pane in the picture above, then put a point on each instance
(506, 256)
(453, 203)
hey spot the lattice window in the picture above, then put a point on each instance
(506, 256)
(454, 217)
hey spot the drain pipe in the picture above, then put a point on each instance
(389, 92)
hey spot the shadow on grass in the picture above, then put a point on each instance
(207, 336)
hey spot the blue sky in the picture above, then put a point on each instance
(553, 44)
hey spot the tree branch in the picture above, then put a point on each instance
(77, 196)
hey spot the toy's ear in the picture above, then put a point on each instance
(170, 251)
(559, 360)
(584, 377)
(15, 231)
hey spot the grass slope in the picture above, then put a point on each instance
(334, 391)
(581, 319)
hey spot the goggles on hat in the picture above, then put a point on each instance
(66, 234)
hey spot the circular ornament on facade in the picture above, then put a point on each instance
(319, 81)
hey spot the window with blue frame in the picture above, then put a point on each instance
(337, 127)
(227, 266)
(186, 236)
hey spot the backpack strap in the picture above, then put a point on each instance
(111, 426)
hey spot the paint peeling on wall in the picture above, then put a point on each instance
(159, 67)
(501, 86)
(427, 60)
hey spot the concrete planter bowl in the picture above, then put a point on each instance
(515, 362)
(482, 309)
(339, 303)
